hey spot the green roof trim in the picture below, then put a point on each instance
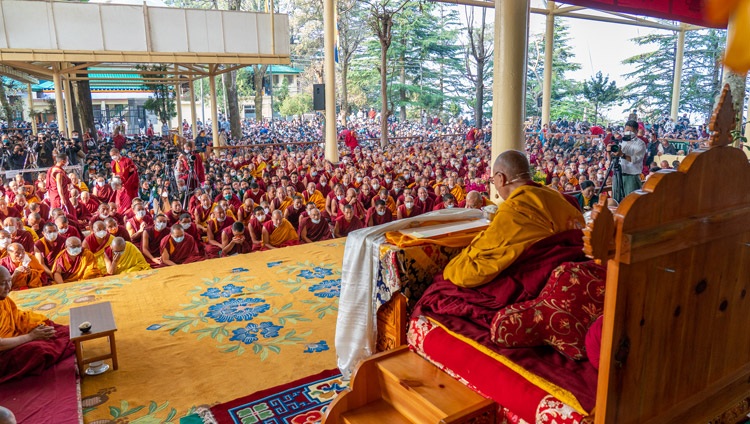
(283, 69)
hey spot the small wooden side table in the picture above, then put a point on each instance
(102, 325)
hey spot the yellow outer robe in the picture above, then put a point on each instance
(528, 215)
(14, 322)
(317, 198)
(86, 270)
(132, 260)
(283, 233)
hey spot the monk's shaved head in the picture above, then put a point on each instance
(118, 243)
(98, 226)
(6, 416)
(73, 242)
(513, 164)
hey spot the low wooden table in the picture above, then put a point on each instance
(102, 325)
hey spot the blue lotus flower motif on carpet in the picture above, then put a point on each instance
(249, 333)
(320, 346)
(238, 309)
(228, 291)
(326, 288)
(273, 264)
(316, 272)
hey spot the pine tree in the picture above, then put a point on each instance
(564, 90)
(600, 91)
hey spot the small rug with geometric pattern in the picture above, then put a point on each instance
(300, 402)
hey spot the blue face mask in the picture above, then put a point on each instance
(178, 239)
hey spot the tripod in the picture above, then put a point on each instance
(618, 191)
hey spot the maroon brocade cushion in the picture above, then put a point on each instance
(560, 316)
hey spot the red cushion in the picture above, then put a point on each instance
(560, 316)
(594, 342)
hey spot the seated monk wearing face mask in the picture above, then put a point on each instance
(279, 232)
(96, 242)
(29, 343)
(75, 263)
(26, 271)
(314, 228)
(48, 247)
(122, 257)
(347, 223)
(179, 248)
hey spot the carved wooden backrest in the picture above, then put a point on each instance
(675, 344)
(599, 234)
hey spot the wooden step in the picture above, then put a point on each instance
(378, 412)
(422, 392)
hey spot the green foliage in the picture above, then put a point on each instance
(296, 105)
(564, 90)
(650, 82)
(600, 91)
(280, 93)
(162, 102)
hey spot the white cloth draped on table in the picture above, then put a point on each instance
(356, 324)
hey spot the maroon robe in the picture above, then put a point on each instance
(33, 357)
(12, 211)
(123, 200)
(316, 232)
(50, 250)
(24, 238)
(217, 227)
(104, 194)
(71, 232)
(378, 219)
(154, 242)
(257, 197)
(245, 247)
(181, 253)
(257, 229)
(415, 211)
(128, 173)
(172, 217)
(427, 205)
(292, 215)
(91, 206)
(93, 243)
(136, 225)
(121, 232)
(346, 227)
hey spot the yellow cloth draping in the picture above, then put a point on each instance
(86, 267)
(737, 54)
(132, 260)
(462, 239)
(528, 215)
(459, 193)
(14, 322)
(283, 233)
(185, 333)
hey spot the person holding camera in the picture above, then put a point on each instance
(631, 152)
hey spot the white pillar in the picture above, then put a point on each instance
(193, 117)
(59, 110)
(69, 108)
(549, 40)
(214, 112)
(32, 118)
(332, 148)
(178, 100)
(678, 74)
(509, 75)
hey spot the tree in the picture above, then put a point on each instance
(351, 34)
(381, 22)
(7, 109)
(650, 83)
(478, 55)
(259, 71)
(281, 94)
(296, 105)
(84, 106)
(600, 91)
(162, 103)
(564, 90)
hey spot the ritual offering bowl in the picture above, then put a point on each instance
(85, 327)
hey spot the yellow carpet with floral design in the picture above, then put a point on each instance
(208, 332)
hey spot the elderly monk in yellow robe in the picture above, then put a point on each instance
(122, 257)
(75, 263)
(312, 195)
(29, 343)
(26, 271)
(529, 213)
(279, 232)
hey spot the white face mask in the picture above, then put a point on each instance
(449, 206)
(50, 236)
(63, 230)
(160, 226)
(140, 214)
(100, 234)
(375, 186)
(74, 251)
(4, 243)
(178, 239)
(381, 213)
(315, 221)
(185, 226)
(265, 210)
(260, 218)
(388, 180)
(10, 229)
(409, 205)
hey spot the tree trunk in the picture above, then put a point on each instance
(344, 92)
(85, 107)
(383, 94)
(737, 85)
(479, 88)
(230, 91)
(74, 101)
(402, 89)
(258, 73)
(7, 111)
